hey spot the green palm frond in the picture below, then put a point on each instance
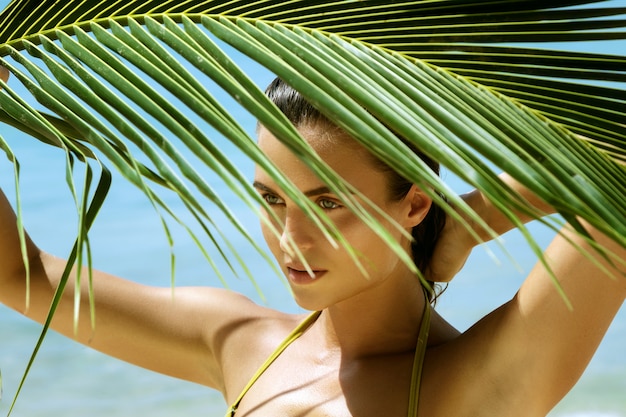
(461, 37)
(367, 65)
(101, 69)
(474, 84)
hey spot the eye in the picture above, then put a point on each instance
(327, 204)
(272, 199)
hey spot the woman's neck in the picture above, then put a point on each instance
(379, 321)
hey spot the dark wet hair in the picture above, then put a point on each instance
(425, 235)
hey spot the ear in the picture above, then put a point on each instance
(417, 204)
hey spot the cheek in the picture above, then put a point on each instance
(374, 253)
(269, 233)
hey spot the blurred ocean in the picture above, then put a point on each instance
(70, 380)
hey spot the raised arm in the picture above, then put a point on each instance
(456, 244)
(534, 348)
(189, 333)
(181, 333)
(171, 333)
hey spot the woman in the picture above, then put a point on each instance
(373, 347)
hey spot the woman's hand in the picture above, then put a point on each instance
(454, 244)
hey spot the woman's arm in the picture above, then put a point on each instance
(175, 333)
(544, 346)
(189, 333)
(535, 347)
(456, 243)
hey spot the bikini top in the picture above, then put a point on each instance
(416, 374)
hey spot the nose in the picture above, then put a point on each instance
(298, 230)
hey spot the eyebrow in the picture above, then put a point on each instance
(309, 193)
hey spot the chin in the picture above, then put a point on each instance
(311, 302)
(309, 305)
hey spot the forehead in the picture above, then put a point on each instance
(323, 137)
(335, 147)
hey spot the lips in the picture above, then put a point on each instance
(299, 275)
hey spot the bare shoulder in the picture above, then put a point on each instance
(230, 318)
(232, 329)
(247, 336)
(236, 311)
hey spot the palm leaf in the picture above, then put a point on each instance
(467, 82)
(451, 34)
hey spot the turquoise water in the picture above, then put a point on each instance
(70, 380)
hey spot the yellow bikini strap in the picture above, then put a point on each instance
(296, 333)
(418, 361)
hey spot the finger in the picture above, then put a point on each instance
(4, 74)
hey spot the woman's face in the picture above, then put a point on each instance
(336, 277)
